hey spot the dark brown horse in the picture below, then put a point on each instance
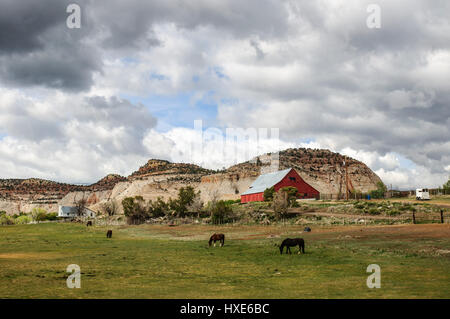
(217, 237)
(288, 242)
(109, 234)
(89, 223)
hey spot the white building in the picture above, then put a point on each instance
(71, 212)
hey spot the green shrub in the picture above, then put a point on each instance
(379, 192)
(39, 214)
(6, 220)
(393, 212)
(374, 211)
(52, 216)
(23, 219)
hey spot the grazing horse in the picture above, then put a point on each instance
(109, 234)
(89, 223)
(288, 242)
(217, 237)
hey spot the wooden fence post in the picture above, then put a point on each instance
(442, 216)
(414, 218)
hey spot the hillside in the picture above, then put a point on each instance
(161, 167)
(322, 169)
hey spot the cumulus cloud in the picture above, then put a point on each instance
(70, 137)
(312, 69)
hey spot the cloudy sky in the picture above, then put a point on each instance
(77, 104)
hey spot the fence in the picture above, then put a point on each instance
(387, 194)
(423, 218)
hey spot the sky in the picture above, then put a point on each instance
(129, 84)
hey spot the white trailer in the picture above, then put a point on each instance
(422, 194)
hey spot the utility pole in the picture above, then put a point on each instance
(346, 178)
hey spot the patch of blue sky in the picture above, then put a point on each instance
(159, 77)
(129, 60)
(218, 71)
(180, 110)
(307, 140)
(404, 162)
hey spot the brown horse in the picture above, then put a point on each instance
(89, 223)
(217, 237)
(109, 234)
(288, 242)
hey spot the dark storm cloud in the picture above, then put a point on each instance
(23, 22)
(37, 48)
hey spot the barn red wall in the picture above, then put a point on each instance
(257, 197)
(299, 183)
(303, 188)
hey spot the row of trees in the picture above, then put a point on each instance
(187, 203)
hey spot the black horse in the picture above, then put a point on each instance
(288, 242)
(89, 223)
(109, 234)
(217, 237)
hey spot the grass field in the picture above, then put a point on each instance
(156, 261)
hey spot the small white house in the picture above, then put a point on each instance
(422, 194)
(71, 212)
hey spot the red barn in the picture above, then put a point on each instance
(280, 179)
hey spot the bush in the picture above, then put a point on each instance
(6, 220)
(379, 192)
(52, 216)
(374, 211)
(39, 214)
(23, 219)
(393, 212)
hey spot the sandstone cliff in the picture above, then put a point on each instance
(323, 169)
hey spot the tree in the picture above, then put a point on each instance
(268, 194)
(80, 206)
(379, 192)
(158, 208)
(446, 187)
(135, 209)
(220, 212)
(186, 197)
(280, 204)
(109, 207)
(291, 194)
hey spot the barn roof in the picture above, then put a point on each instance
(266, 181)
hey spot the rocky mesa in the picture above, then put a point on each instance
(323, 169)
